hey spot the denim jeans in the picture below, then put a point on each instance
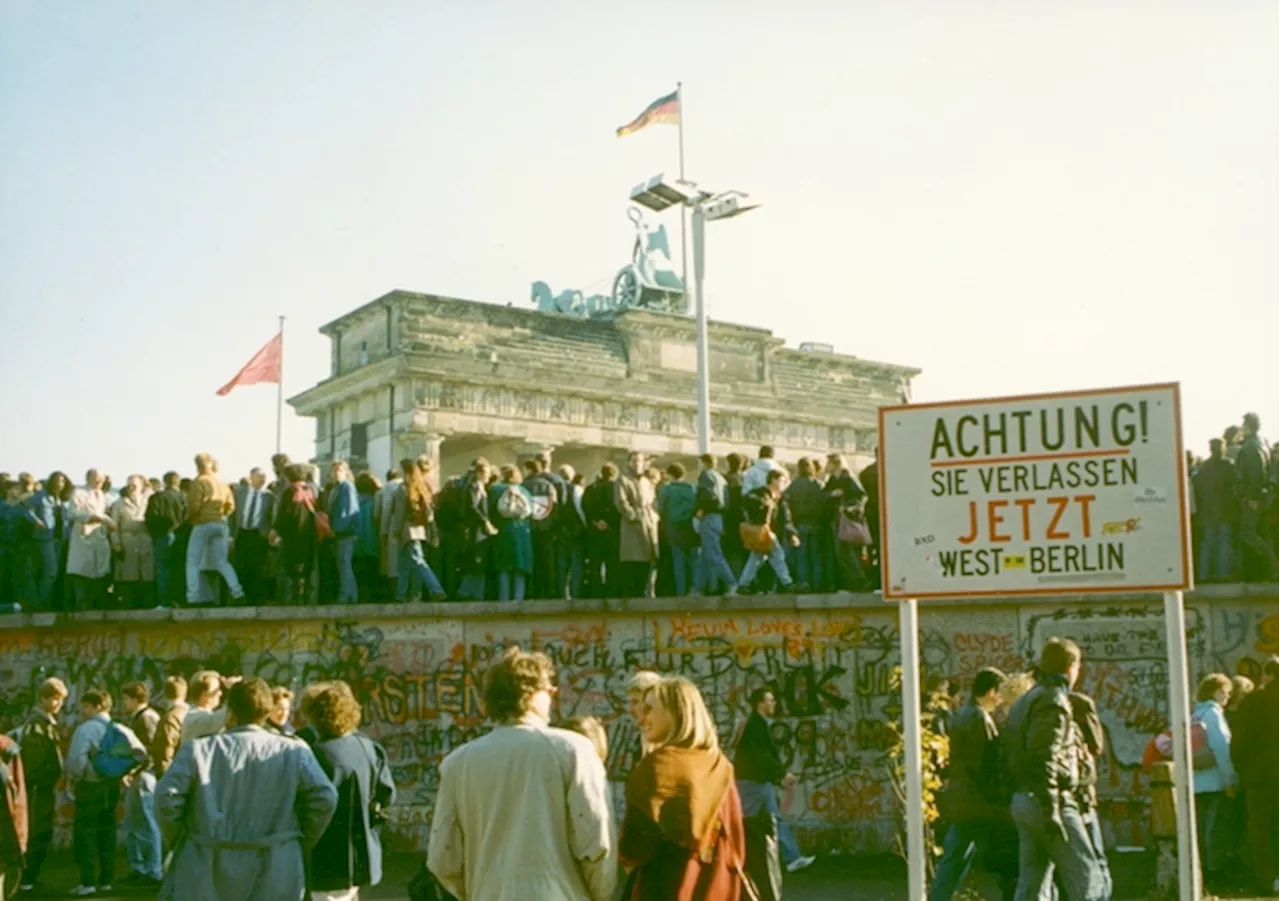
(141, 831)
(808, 558)
(958, 851)
(564, 567)
(712, 567)
(577, 566)
(1045, 846)
(1212, 831)
(94, 831)
(50, 557)
(993, 844)
(683, 569)
(1093, 823)
(348, 588)
(1216, 546)
(757, 796)
(777, 559)
(511, 586)
(412, 572)
(206, 537)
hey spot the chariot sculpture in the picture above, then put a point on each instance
(649, 281)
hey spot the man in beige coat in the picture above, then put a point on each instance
(635, 495)
(524, 812)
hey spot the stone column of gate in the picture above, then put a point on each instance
(426, 444)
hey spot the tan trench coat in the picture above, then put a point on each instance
(638, 530)
(89, 550)
(132, 542)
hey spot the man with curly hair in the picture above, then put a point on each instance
(536, 805)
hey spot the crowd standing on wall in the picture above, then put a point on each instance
(1234, 503)
(512, 532)
(494, 533)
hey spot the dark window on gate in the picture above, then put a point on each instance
(360, 439)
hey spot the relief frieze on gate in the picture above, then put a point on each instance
(660, 418)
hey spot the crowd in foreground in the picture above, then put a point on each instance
(224, 777)
(225, 801)
(507, 533)
(1021, 792)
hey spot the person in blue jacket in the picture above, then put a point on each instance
(1215, 786)
(344, 519)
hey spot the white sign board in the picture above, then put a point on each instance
(1077, 492)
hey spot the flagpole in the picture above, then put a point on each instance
(280, 394)
(684, 266)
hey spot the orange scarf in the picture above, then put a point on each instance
(682, 789)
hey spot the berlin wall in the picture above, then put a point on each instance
(417, 670)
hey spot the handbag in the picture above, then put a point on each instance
(425, 887)
(757, 539)
(853, 530)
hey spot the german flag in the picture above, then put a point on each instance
(663, 111)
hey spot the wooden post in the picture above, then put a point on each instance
(1164, 829)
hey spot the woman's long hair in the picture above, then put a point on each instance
(691, 723)
(417, 489)
(67, 487)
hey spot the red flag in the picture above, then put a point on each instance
(264, 367)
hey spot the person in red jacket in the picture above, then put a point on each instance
(682, 838)
(13, 816)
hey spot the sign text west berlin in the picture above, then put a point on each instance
(1034, 495)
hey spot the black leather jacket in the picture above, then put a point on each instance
(1043, 747)
(974, 789)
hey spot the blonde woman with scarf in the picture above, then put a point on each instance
(682, 837)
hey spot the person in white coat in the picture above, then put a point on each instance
(524, 811)
(89, 548)
(758, 475)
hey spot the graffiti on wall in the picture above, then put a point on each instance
(420, 683)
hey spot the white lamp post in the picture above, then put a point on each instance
(658, 194)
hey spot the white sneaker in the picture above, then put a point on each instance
(83, 891)
(800, 863)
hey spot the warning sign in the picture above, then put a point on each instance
(1078, 492)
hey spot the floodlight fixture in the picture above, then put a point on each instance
(660, 193)
(727, 205)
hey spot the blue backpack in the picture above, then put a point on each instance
(114, 757)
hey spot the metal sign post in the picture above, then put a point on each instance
(1180, 727)
(912, 762)
(1038, 497)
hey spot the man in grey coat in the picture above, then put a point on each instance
(239, 809)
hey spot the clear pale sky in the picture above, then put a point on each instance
(1015, 197)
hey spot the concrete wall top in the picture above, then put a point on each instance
(1228, 593)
